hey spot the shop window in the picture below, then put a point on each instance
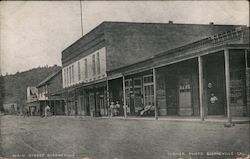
(137, 82)
(237, 77)
(148, 87)
(148, 79)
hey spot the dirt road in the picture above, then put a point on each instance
(74, 137)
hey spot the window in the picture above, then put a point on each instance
(46, 89)
(98, 63)
(79, 71)
(73, 74)
(86, 68)
(67, 76)
(237, 77)
(148, 79)
(93, 65)
(65, 81)
(148, 87)
(70, 75)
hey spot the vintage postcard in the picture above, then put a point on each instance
(124, 80)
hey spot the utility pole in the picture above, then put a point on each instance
(81, 17)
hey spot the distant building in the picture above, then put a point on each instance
(47, 94)
(32, 103)
(160, 69)
(10, 108)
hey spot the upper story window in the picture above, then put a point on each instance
(86, 68)
(79, 71)
(46, 88)
(93, 65)
(67, 76)
(39, 91)
(73, 73)
(70, 75)
(98, 63)
(64, 72)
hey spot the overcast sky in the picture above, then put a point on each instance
(34, 33)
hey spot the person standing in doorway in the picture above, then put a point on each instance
(112, 107)
(46, 111)
(117, 108)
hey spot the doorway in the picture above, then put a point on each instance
(171, 94)
(214, 83)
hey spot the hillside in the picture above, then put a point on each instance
(14, 86)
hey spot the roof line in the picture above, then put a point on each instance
(48, 78)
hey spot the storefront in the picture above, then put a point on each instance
(177, 89)
(209, 77)
(139, 92)
(96, 101)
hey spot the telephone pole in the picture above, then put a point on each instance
(81, 17)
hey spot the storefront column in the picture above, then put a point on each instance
(247, 83)
(201, 87)
(75, 103)
(107, 95)
(227, 77)
(155, 100)
(124, 97)
(55, 109)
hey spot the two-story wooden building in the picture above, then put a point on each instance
(93, 68)
(32, 103)
(47, 94)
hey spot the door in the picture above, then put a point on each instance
(129, 96)
(215, 85)
(185, 98)
(171, 95)
(92, 103)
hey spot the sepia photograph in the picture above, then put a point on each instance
(87, 79)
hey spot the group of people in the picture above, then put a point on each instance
(114, 108)
(26, 112)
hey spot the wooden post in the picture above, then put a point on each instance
(124, 97)
(107, 95)
(227, 76)
(155, 99)
(55, 109)
(201, 88)
(247, 83)
(75, 103)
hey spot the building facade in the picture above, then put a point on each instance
(117, 61)
(32, 103)
(205, 78)
(47, 94)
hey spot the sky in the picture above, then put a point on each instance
(34, 33)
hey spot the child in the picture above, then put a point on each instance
(112, 107)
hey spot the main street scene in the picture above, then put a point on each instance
(124, 79)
